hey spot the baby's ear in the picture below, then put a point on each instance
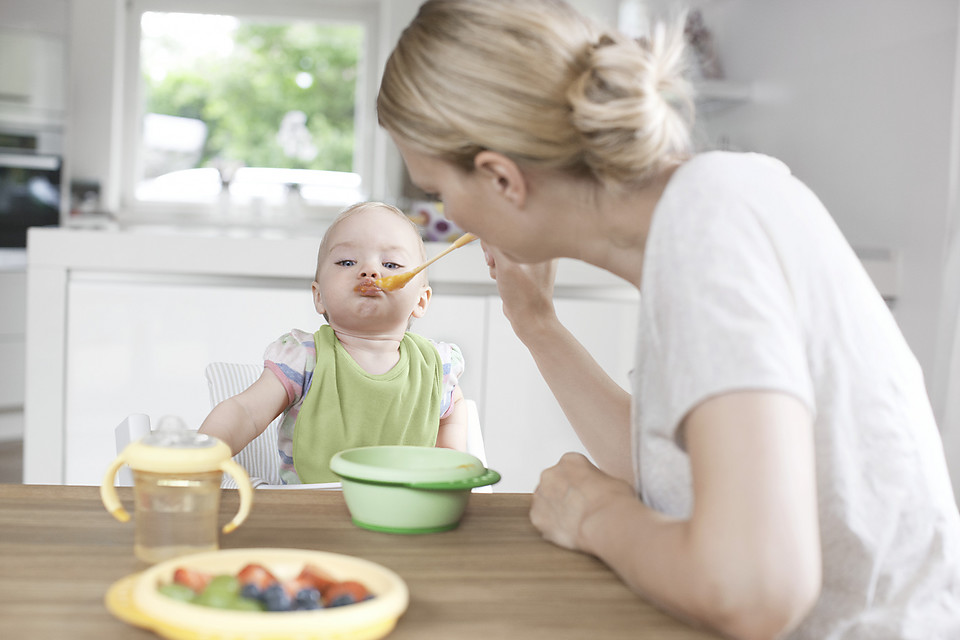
(317, 298)
(422, 303)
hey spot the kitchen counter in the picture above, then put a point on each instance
(250, 254)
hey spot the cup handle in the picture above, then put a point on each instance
(108, 492)
(246, 493)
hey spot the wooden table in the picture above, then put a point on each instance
(492, 578)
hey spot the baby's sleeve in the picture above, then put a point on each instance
(292, 358)
(452, 359)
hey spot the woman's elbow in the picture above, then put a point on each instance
(766, 606)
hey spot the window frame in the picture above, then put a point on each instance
(365, 12)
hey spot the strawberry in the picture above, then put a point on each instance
(342, 593)
(256, 574)
(317, 577)
(196, 580)
(294, 586)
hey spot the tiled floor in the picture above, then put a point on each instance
(11, 462)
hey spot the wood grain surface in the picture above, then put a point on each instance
(491, 578)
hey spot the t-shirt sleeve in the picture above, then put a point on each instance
(452, 359)
(723, 312)
(292, 358)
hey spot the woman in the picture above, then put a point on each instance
(777, 469)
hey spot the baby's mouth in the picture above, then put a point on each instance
(367, 288)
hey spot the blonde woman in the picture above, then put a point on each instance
(776, 470)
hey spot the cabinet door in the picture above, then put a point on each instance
(524, 429)
(36, 81)
(13, 297)
(460, 319)
(141, 347)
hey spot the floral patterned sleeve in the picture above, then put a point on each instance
(292, 357)
(452, 359)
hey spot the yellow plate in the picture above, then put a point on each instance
(135, 599)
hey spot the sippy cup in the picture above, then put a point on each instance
(176, 487)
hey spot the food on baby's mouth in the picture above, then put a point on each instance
(255, 588)
(367, 288)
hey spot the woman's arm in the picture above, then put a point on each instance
(747, 563)
(241, 418)
(596, 406)
(453, 428)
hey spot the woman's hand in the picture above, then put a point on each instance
(525, 289)
(569, 494)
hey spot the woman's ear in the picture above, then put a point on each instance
(503, 175)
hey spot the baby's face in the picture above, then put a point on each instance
(364, 246)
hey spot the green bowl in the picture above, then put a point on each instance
(401, 489)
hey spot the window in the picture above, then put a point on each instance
(260, 112)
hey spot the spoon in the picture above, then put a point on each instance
(391, 283)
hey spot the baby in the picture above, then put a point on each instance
(361, 379)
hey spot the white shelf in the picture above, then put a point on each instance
(714, 95)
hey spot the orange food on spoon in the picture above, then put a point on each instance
(392, 283)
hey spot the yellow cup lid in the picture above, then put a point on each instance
(176, 450)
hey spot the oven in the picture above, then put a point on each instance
(31, 182)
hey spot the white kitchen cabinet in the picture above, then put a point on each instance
(524, 428)
(140, 346)
(132, 318)
(13, 295)
(33, 88)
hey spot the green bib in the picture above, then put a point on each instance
(347, 407)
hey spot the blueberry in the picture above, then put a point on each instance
(308, 598)
(341, 600)
(251, 591)
(276, 599)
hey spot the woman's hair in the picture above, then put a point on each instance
(538, 82)
(360, 207)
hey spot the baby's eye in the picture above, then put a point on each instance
(346, 262)
(392, 265)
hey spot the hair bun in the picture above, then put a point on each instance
(632, 105)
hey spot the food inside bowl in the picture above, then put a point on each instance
(255, 588)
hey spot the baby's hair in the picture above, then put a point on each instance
(546, 87)
(361, 207)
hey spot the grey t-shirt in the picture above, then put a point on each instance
(749, 284)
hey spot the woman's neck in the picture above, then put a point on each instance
(611, 229)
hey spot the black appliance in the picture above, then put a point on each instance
(31, 182)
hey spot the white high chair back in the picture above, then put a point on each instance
(260, 458)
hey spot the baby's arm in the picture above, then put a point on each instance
(243, 417)
(453, 427)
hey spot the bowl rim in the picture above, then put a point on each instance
(345, 465)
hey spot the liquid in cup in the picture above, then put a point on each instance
(175, 515)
